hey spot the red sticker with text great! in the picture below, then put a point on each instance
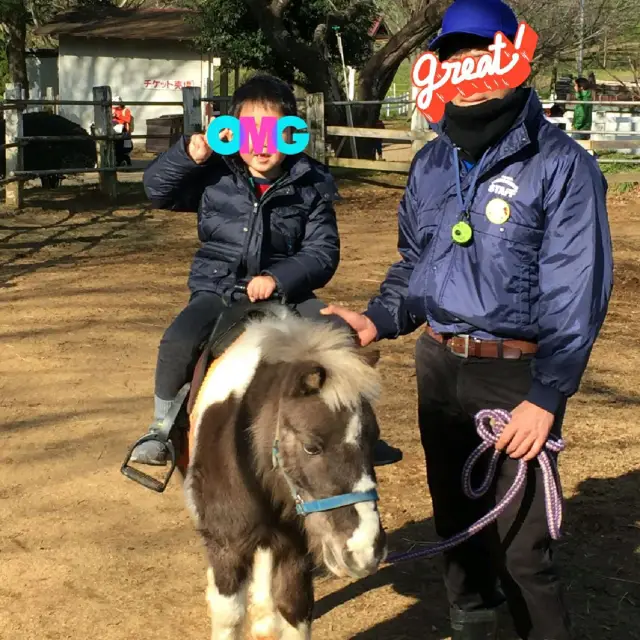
(504, 66)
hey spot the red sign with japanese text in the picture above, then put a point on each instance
(171, 85)
(506, 65)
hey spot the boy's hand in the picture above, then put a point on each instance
(261, 288)
(362, 325)
(199, 149)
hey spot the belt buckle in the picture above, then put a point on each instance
(466, 339)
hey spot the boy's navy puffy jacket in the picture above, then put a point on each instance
(290, 233)
(544, 275)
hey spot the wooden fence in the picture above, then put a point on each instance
(419, 137)
(103, 134)
(314, 106)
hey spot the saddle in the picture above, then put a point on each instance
(174, 431)
(228, 328)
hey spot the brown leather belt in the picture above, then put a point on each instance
(468, 347)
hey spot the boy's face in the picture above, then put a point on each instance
(476, 98)
(260, 162)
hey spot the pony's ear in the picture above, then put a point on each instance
(311, 380)
(370, 356)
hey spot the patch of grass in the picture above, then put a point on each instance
(623, 187)
(617, 167)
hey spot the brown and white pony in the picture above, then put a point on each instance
(282, 434)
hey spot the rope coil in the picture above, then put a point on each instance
(490, 424)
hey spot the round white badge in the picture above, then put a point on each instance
(498, 211)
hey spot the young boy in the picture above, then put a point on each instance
(263, 217)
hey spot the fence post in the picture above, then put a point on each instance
(14, 155)
(192, 118)
(49, 95)
(315, 125)
(224, 90)
(106, 148)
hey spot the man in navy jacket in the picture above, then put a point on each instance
(511, 316)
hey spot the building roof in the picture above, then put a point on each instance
(130, 24)
(379, 29)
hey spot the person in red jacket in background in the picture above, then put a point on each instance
(122, 122)
(121, 114)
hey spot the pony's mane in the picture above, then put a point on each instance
(291, 339)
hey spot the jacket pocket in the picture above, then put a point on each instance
(514, 248)
(490, 282)
(210, 269)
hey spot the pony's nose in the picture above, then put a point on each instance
(365, 561)
(381, 546)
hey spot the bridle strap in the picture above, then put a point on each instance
(323, 504)
(327, 504)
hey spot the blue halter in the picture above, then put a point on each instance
(324, 504)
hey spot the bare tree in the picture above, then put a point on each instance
(555, 21)
(557, 24)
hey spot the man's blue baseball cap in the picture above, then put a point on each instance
(482, 18)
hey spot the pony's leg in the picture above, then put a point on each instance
(293, 595)
(262, 609)
(227, 606)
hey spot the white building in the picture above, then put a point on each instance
(42, 71)
(144, 54)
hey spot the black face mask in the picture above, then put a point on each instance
(475, 129)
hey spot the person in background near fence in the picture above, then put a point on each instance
(122, 121)
(511, 309)
(582, 113)
(284, 204)
(121, 114)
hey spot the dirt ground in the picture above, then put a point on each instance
(86, 292)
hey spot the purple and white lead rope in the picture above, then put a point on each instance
(489, 424)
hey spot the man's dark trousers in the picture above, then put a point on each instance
(516, 551)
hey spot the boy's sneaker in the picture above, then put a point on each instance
(151, 452)
(384, 454)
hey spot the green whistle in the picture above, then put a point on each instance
(461, 232)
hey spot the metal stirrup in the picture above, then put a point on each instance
(162, 435)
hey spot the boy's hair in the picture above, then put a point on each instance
(266, 90)
(582, 83)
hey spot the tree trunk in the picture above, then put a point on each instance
(377, 75)
(16, 30)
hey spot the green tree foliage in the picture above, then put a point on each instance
(296, 39)
(234, 32)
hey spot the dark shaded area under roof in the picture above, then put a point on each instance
(111, 22)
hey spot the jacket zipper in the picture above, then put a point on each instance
(257, 207)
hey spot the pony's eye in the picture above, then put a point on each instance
(312, 450)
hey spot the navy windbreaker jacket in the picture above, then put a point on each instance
(290, 233)
(544, 275)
